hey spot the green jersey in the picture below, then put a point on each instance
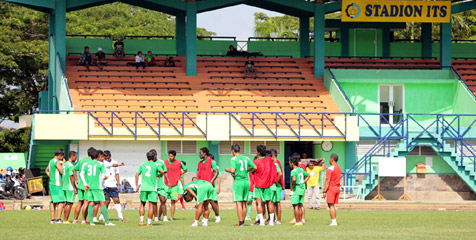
(67, 173)
(149, 172)
(160, 181)
(78, 168)
(300, 175)
(278, 170)
(93, 173)
(241, 164)
(195, 185)
(55, 175)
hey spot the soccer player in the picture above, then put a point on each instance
(239, 168)
(299, 178)
(69, 186)
(208, 171)
(148, 187)
(92, 176)
(82, 197)
(276, 198)
(175, 170)
(162, 189)
(265, 177)
(54, 172)
(112, 185)
(332, 187)
(217, 186)
(250, 199)
(202, 191)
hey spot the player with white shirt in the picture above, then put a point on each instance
(112, 185)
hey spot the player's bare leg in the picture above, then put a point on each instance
(278, 211)
(152, 205)
(59, 210)
(240, 211)
(271, 213)
(163, 207)
(67, 211)
(303, 213)
(77, 210)
(260, 209)
(95, 212)
(206, 213)
(52, 212)
(297, 213)
(141, 213)
(172, 209)
(215, 207)
(85, 211)
(333, 213)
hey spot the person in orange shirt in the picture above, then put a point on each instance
(332, 187)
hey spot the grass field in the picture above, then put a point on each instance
(352, 225)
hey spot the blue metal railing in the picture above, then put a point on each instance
(61, 83)
(341, 89)
(463, 82)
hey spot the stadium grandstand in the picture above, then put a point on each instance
(360, 94)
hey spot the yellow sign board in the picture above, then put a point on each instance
(395, 11)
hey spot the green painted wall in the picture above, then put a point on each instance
(339, 148)
(439, 165)
(336, 93)
(287, 48)
(191, 159)
(14, 160)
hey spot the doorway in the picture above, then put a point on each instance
(391, 101)
(365, 42)
(289, 149)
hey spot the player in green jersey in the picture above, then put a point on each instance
(69, 186)
(239, 168)
(161, 189)
(54, 172)
(149, 172)
(92, 175)
(203, 192)
(82, 197)
(299, 178)
(276, 199)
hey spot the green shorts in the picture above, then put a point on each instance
(205, 193)
(241, 189)
(95, 195)
(57, 194)
(264, 194)
(69, 196)
(180, 191)
(150, 196)
(251, 197)
(82, 195)
(297, 199)
(277, 195)
(174, 192)
(214, 196)
(163, 191)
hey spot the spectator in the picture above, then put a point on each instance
(169, 62)
(140, 60)
(250, 67)
(150, 59)
(119, 48)
(100, 58)
(314, 169)
(85, 59)
(232, 51)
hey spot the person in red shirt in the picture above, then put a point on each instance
(332, 187)
(175, 170)
(265, 177)
(208, 171)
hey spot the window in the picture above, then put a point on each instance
(269, 145)
(182, 147)
(225, 147)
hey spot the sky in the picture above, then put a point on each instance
(236, 21)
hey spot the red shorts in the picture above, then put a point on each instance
(333, 195)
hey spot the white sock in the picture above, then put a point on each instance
(118, 210)
(271, 217)
(141, 219)
(95, 219)
(334, 221)
(217, 217)
(156, 219)
(149, 221)
(195, 222)
(260, 217)
(165, 218)
(205, 220)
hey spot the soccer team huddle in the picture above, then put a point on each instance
(95, 180)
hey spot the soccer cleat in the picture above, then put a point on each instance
(270, 223)
(165, 219)
(298, 224)
(59, 221)
(333, 224)
(149, 225)
(141, 224)
(92, 224)
(205, 224)
(293, 221)
(303, 221)
(262, 224)
(171, 219)
(217, 219)
(75, 222)
(53, 221)
(277, 222)
(156, 219)
(66, 222)
(84, 222)
(195, 224)
(239, 225)
(247, 219)
(110, 224)
(122, 220)
(101, 218)
(95, 221)
(256, 223)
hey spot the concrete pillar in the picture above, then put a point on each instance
(180, 34)
(191, 39)
(426, 40)
(319, 39)
(304, 35)
(445, 44)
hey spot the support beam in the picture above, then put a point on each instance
(344, 41)
(205, 6)
(319, 39)
(462, 7)
(333, 6)
(180, 34)
(191, 39)
(304, 35)
(386, 42)
(296, 4)
(51, 64)
(426, 41)
(60, 30)
(45, 4)
(445, 45)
